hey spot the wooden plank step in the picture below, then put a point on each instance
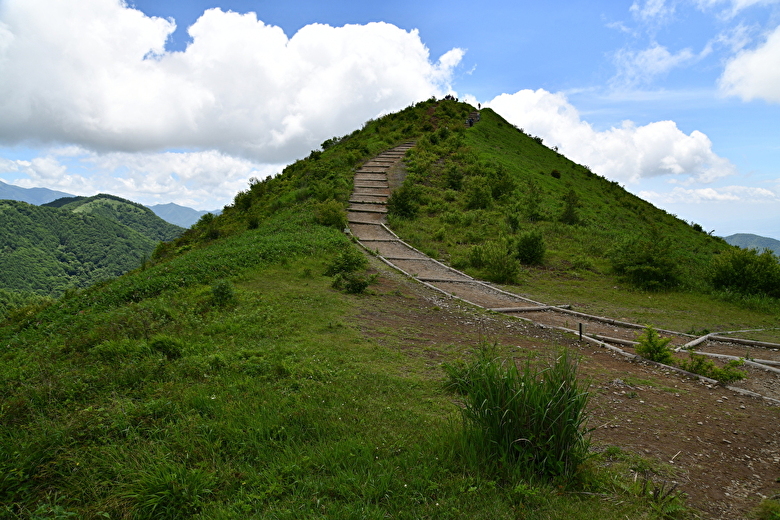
(434, 280)
(360, 209)
(530, 309)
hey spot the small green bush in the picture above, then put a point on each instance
(699, 364)
(404, 202)
(531, 420)
(222, 293)
(646, 262)
(170, 347)
(495, 260)
(353, 283)
(530, 248)
(331, 213)
(571, 202)
(478, 193)
(348, 261)
(654, 347)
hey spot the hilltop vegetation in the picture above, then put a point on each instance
(226, 378)
(484, 197)
(135, 216)
(47, 250)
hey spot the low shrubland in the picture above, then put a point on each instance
(655, 348)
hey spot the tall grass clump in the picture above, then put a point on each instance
(531, 421)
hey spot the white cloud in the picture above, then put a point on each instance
(95, 73)
(195, 179)
(636, 67)
(733, 6)
(755, 74)
(741, 194)
(627, 154)
(652, 9)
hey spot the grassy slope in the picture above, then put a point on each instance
(46, 250)
(577, 267)
(277, 407)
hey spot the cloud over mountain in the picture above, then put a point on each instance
(628, 153)
(96, 73)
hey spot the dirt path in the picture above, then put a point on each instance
(722, 442)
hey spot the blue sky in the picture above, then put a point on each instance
(183, 101)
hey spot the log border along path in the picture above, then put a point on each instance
(366, 218)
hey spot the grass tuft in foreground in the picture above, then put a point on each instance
(529, 421)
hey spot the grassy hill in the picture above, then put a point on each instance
(227, 378)
(47, 250)
(135, 216)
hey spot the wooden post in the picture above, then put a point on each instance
(580, 331)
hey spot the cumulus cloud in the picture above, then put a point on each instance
(96, 73)
(195, 179)
(755, 74)
(741, 194)
(628, 153)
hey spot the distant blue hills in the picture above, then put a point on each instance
(173, 213)
(35, 196)
(749, 241)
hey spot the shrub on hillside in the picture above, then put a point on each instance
(645, 263)
(404, 202)
(528, 420)
(746, 271)
(331, 213)
(497, 263)
(729, 373)
(571, 202)
(344, 269)
(348, 261)
(531, 248)
(532, 202)
(170, 347)
(222, 293)
(478, 193)
(653, 347)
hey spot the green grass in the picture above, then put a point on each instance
(273, 404)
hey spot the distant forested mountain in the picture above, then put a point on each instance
(35, 196)
(179, 215)
(133, 215)
(749, 241)
(45, 249)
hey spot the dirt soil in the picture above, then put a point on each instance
(722, 448)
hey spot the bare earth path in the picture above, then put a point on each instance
(722, 442)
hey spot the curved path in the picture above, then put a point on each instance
(367, 215)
